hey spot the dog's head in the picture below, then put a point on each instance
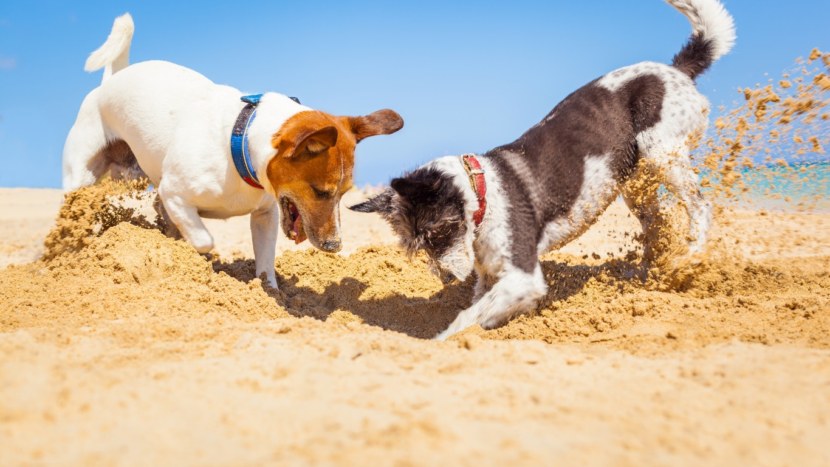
(426, 209)
(312, 169)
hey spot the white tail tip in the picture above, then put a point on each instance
(711, 21)
(116, 45)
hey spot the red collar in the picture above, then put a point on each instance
(479, 184)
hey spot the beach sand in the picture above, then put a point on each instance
(136, 350)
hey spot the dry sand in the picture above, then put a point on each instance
(136, 350)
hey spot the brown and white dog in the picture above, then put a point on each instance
(494, 214)
(177, 124)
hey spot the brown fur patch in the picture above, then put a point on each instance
(314, 163)
(382, 122)
(315, 154)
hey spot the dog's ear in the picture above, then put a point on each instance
(382, 122)
(408, 188)
(313, 142)
(307, 140)
(381, 203)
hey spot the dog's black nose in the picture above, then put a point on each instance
(332, 246)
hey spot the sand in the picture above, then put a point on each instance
(134, 349)
(28, 215)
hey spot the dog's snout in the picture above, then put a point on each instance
(332, 246)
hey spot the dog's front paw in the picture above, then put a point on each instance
(271, 283)
(443, 336)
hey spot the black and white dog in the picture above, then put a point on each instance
(496, 213)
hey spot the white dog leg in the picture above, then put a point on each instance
(481, 282)
(516, 292)
(264, 224)
(682, 181)
(187, 220)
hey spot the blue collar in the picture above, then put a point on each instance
(239, 141)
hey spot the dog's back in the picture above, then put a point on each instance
(148, 103)
(565, 171)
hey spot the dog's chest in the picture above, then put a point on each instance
(493, 240)
(239, 203)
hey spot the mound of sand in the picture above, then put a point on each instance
(127, 272)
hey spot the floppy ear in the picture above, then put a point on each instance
(408, 188)
(381, 203)
(382, 122)
(311, 142)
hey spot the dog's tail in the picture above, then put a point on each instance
(115, 53)
(713, 35)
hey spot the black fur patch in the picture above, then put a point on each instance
(425, 209)
(695, 57)
(592, 121)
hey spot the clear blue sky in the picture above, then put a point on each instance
(465, 76)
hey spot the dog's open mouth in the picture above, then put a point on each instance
(292, 221)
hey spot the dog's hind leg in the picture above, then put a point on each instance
(515, 292)
(84, 155)
(682, 181)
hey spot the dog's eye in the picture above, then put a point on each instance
(322, 194)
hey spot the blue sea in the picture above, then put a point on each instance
(798, 186)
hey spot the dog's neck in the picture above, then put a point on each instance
(491, 239)
(272, 112)
(454, 167)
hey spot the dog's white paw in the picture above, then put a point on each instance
(268, 280)
(443, 336)
(272, 283)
